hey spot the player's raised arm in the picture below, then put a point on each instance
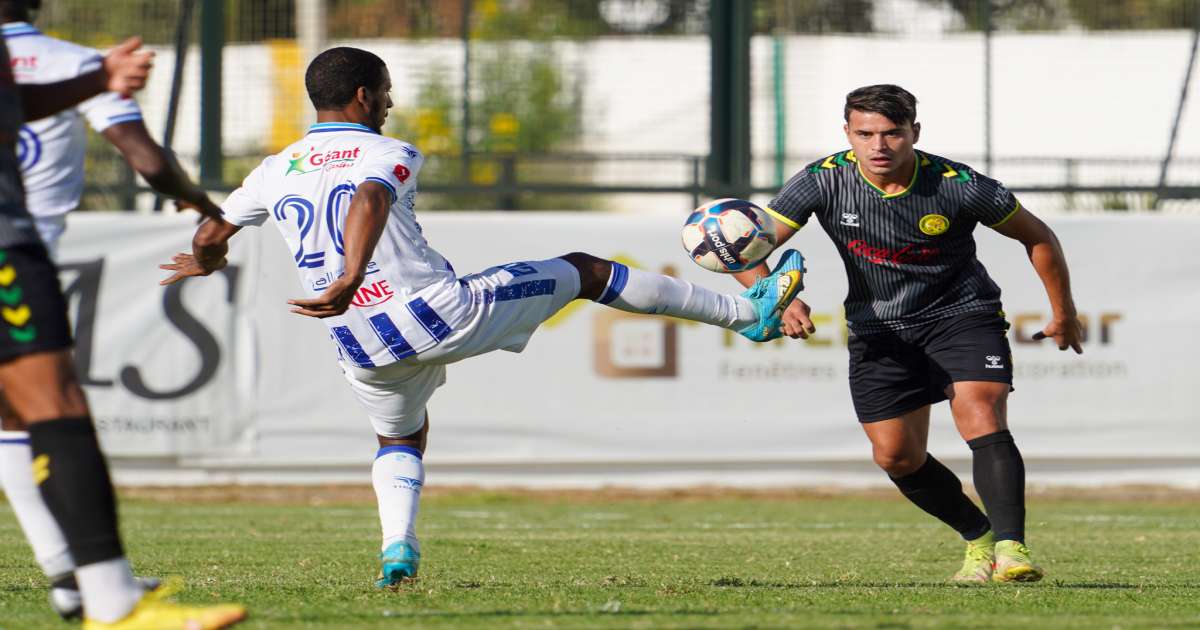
(1046, 255)
(125, 70)
(365, 220)
(210, 243)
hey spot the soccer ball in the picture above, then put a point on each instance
(728, 235)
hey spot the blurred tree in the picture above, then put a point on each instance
(1027, 15)
(1136, 14)
(815, 16)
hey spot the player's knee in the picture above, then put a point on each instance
(979, 416)
(593, 273)
(898, 462)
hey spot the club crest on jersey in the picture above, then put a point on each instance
(309, 162)
(934, 224)
(850, 219)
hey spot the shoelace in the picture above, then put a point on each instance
(1019, 551)
(978, 553)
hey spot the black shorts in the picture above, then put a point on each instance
(893, 373)
(33, 313)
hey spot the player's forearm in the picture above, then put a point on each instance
(365, 221)
(211, 243)
(46, 99)
(164, 174)
(1051, 266)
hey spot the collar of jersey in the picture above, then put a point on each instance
(12, 29)
(895, 195)
(338, 126)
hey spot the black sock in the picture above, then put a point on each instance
(73, 477)
(935, 489)
(1000, 482)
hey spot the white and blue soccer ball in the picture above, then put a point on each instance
(728, 235)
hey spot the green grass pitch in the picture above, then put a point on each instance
(668, 560)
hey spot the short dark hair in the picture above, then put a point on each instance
(18, 9)
(892, 101)
(333, 78)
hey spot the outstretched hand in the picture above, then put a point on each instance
(126, 68)
(1066, 333)
(186, 266)
(335, 300)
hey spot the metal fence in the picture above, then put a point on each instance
(526, 104)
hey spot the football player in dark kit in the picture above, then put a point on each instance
(925, 318)
(39, 382)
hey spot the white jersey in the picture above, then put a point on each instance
(411, 299)
(51, 149)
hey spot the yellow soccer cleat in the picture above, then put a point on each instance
(977, 565)
(153, 613)
(1013, 563)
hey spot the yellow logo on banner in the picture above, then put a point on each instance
(41, 468)
(934, 224)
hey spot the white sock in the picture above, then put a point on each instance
(41, 530)
(398, 474)
(638, 291)
(109, 590)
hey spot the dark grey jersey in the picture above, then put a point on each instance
(16, 226)
(909, 256)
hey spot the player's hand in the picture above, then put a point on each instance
(126, 68)
(796, 322)
(1066, 333)
(333, 301)
(186, 266)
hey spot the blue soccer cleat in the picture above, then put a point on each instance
(399, 562)
(772, 295)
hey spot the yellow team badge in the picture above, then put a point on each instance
(934, 224)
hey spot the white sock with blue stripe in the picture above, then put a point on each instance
(398, 474)
(41, 530)
(639, 291)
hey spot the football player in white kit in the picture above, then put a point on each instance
(343, 198)
(51, 156)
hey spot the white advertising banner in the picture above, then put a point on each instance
(219, 373)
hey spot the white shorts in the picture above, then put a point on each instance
(508, 303)
(51, 230)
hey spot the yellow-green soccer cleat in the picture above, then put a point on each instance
(1013, 563)
(154, 613)
(977, 565)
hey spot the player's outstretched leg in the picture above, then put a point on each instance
(757, 313)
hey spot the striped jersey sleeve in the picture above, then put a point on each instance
(988, 201)
(395, 165)
(797, 200)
